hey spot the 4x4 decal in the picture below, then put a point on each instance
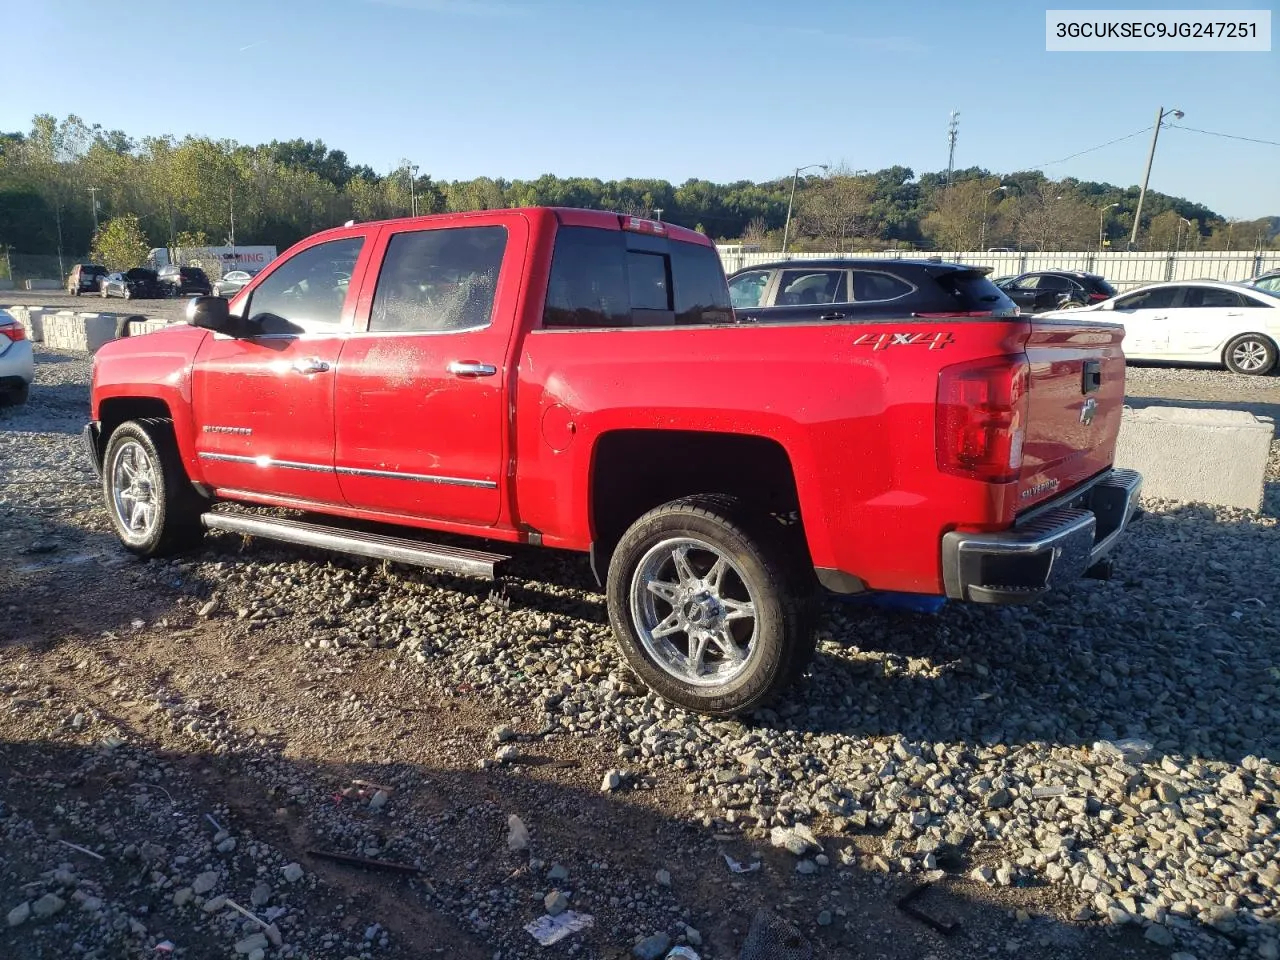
(883, 341)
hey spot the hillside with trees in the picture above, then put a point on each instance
(182, 193)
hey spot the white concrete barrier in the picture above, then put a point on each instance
(6, 284)
(66, 330)
(43, 285)
(1202, 456)
(150, 325)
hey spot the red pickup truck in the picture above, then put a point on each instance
(578, 379)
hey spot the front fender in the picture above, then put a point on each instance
(153, 367)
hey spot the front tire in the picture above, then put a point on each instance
(1251, 354)
(152, 505)
(1071, 305)
(708, 606)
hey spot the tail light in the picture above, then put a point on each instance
(14, 331)
(1095, 297)
(981, 418)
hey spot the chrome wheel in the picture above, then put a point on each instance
(694, 611)
(1249, 356)
(133, 491)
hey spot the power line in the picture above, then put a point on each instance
(1228, 136)
(1127, 136)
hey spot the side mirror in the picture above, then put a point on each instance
(212, 313)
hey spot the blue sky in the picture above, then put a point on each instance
(675, 89)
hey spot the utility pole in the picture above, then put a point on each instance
(786, 227)
(982, 235)
(93, 201)
(1161, 112)
(657, 213)
(953, 131)
(231, 237)
(413, 197)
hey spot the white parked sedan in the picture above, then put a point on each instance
(1194, 321)
(17, 366)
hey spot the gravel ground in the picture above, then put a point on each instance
(1092, 776)
(168, 309)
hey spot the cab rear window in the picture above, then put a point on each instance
(598, 280)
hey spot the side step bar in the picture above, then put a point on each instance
(474, 563)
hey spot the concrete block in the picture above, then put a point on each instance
(66, 330)
(1204, 456)
(43, 285)
(6, 284)
(35, 322)
(139, 327)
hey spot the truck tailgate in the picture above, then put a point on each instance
(1075, 400)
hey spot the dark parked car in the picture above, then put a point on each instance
(177, 281)
(1055, 290)
(863, 290)
(84, 278)
(136, 284)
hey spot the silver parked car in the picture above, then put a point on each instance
(232, 282)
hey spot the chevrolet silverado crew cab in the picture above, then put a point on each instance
(579, 380)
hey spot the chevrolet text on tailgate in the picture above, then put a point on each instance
(580, 380)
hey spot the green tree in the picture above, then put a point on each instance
(120, 244)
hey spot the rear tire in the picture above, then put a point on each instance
(1250, 354)
(1071, 305)
(152, 505)
(708, 605)
(17, 396)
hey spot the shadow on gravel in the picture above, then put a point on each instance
(1179, 649)
(143, 809)
(1257, 408)
(76, 585)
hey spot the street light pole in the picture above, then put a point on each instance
(413, 197)
(982, 234)
(786, 227)
(93, 202)
(1102, 214)
(1161, 113)
(1178, 234)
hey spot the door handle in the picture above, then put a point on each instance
(1159, 318)
(309, 365)
(832, 316)
(470, 368)
(1234, 313)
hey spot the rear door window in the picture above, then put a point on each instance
(1211, 297)
(806, 287)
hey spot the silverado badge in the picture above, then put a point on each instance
(1088, 410)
